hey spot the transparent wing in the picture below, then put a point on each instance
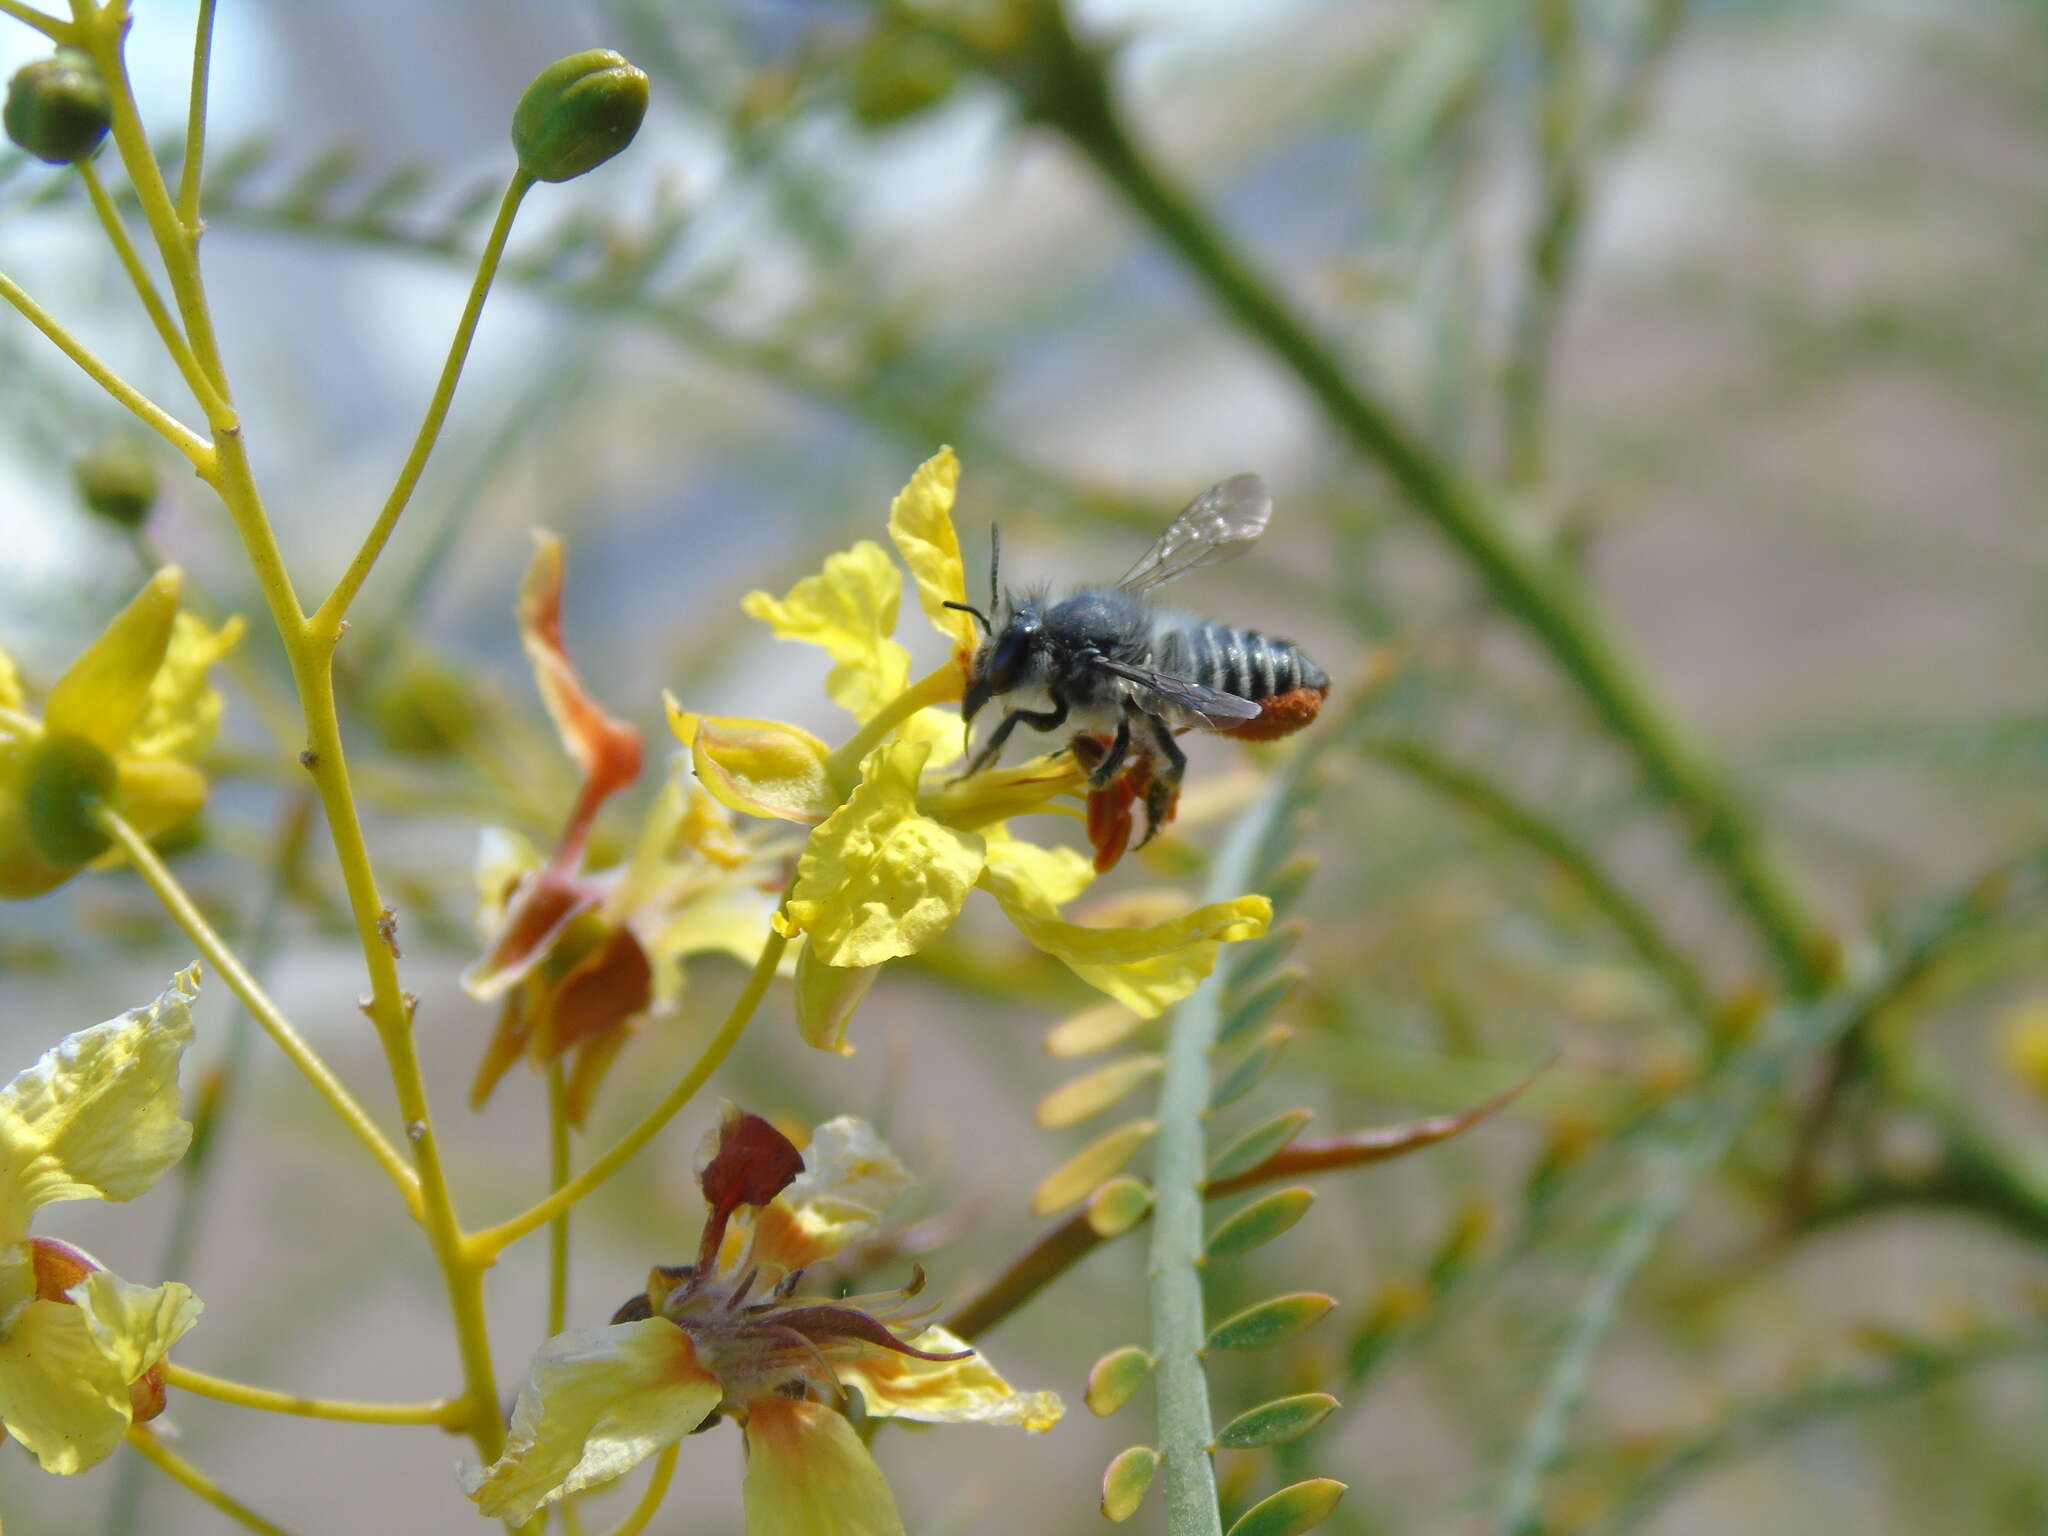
(1213, 705)
(1219, 524)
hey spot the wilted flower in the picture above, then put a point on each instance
(81, 1349)
(728, 1335)
(899, 839)
(580, 956)
(124, 726)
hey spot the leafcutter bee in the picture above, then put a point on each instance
(1123, 677)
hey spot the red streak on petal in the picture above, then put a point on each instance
(823, 1322)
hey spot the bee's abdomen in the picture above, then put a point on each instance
(1248, 664)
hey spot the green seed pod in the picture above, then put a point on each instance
(577, 114)
(118, 481)
(66, 777)
(58, 108)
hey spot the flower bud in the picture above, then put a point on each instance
(577, 114)
(58, 108)
(900, 71)
(118, 481)
(67, 776)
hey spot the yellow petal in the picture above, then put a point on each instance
(921, 523)
(106, 691)
(502, 858)
(826, 997)
(946, 1391)
(850, 1180)
(982, 799)
(1147, 969)
(60, 1394)
(12, 694)
(809, 1475)
(134, 1326)
(879, 880)
(97, 1118)
(759, 767)
(597, 1403)
(1046, 879)
(848, 609)
(156, 794)
(183, 712)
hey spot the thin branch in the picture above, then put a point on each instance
(195, 120)
(450, 1413)
(197, 1483)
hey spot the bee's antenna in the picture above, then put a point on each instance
(995, 561)
(970, 608)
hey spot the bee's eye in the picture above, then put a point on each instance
(1012, 649)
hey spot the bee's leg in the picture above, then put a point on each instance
(1163, 793)
(1039, 719)
(1113, 759)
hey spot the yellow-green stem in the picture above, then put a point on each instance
(558, 1176)
(186, 914)
(310, 658)
(650, 1501)
(195, 121)
(448, 1414)
(198, 1484)
(486, 1245)
(145, 288)
(50, 26)
(152, 415)
(327, 621)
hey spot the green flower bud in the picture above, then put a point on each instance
(899, 72)
(577, 114)
(67, 776)
(58, 108)
(118, 481)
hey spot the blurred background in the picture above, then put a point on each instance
(1737, 307)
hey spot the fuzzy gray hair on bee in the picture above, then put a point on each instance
(1125, 677)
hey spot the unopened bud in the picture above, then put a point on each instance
(118, 481)
(58, 108)
(67, 776)
(577, 114)
(899, 72)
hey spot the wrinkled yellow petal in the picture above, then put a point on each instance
(183, 712)
(943, 728)
(134, 1326)
(878, 879)
(809, 1475)
(97, 1118)
(61, 1395)
(156, 794)
(921, 523)
(106, 691)
(946, 1391)
(759, 767)
(597, 1403)
(1043, 878)
(826, 997)
(849, 610)
(850, 1180)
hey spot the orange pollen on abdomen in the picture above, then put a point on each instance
(1281, 715)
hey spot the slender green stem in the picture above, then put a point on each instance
(446, 1414)
(558, 1176)
(1630, 918)
(50, 26)
(327, 620)
(186, 914)
(145, 289)
(650, 1501)
(1180, 1163)
(152, 415)
(485, 1245)
(195, 121)
(1067, 86)
(198, 1484)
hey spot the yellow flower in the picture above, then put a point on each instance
(125, 725)
(2026, 1046)
(81, 1350)
(728, 1335)
(894, 852)
(580, 956)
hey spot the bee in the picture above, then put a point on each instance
(1125, 677)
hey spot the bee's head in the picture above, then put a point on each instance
(1006, 656)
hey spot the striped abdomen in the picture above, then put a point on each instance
(1270, 672)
